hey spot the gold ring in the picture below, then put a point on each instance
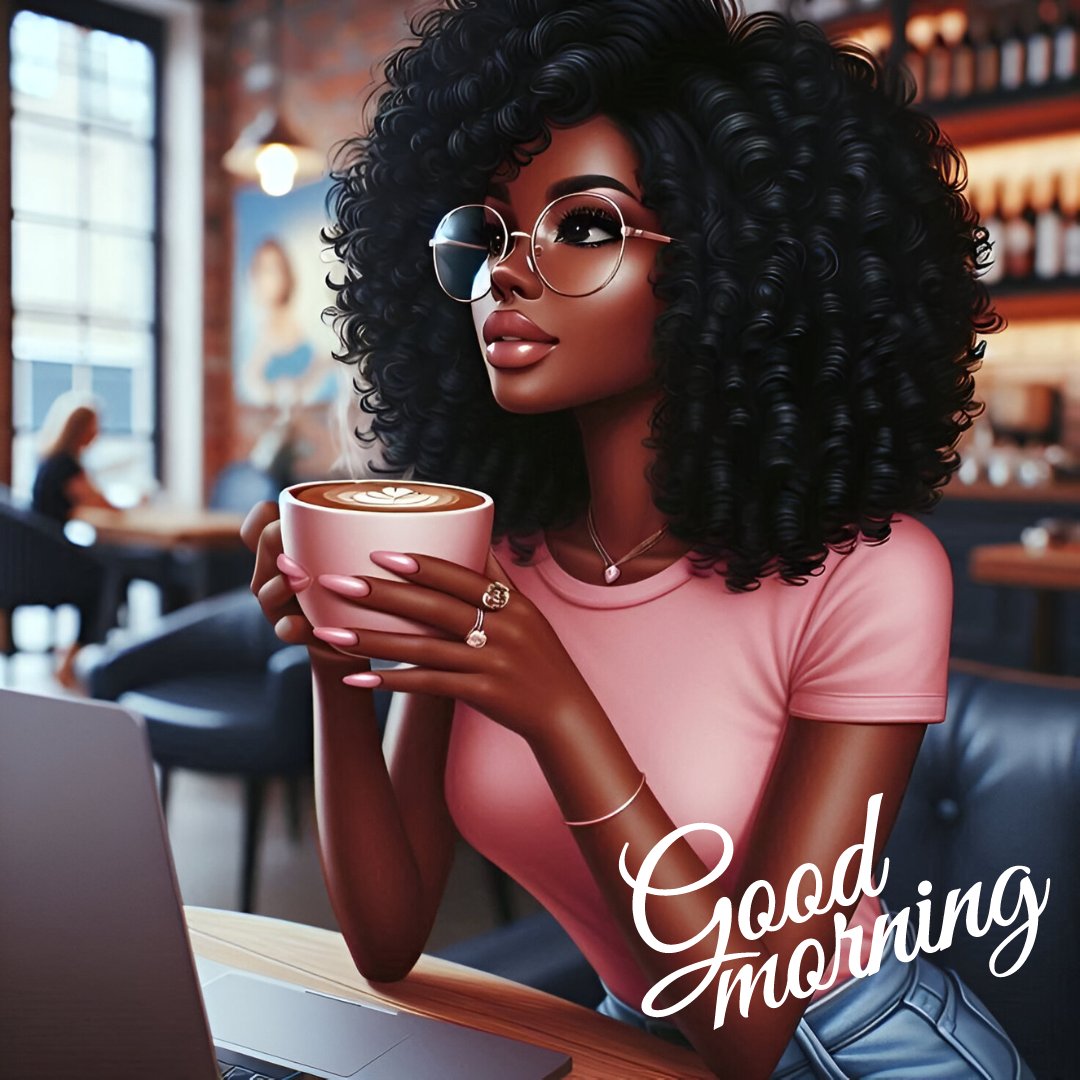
(476, 636)
(496, 597)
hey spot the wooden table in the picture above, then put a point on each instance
(165, 527)
(1049, 572)
(171, 546)
(601, 1048)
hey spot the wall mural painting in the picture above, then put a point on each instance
(285, 378)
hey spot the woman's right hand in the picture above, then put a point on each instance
(276, 590)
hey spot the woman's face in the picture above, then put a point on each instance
(269, 277)
(603, 341)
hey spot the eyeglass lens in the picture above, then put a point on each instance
(577, 249)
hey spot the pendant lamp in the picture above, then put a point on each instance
(268, 150)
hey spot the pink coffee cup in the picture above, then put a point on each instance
(332, 526)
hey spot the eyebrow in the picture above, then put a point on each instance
(569, 186)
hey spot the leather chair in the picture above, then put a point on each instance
(40, 566)
(220, 694)
(995, 786)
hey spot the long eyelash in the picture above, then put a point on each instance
(591, 213)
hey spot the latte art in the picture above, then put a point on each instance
(383, 496)
(387, 496)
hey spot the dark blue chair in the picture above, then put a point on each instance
(40, 566)
(220, 694)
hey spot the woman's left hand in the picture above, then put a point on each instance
(521, 677)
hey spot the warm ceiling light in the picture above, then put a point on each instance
(269, 151)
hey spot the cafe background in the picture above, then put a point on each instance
(125, 272)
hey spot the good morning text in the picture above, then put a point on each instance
(760, 912)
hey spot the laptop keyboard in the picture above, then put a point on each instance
(234, 1066)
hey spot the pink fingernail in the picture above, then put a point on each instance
(366, 679)
(354, 588)
(290, 568)
(394, 560)
(335, 635)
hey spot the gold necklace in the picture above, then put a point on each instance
(611, 566)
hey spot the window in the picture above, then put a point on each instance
(85, 229)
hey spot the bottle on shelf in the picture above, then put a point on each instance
(1049, 235)
(994, 223)
(988, 61)
(1019, 237)
(1067, 47)
(1070, 239)
(1039, 55)
(1012, 60)
(938, 64)
(915, 62)
(963, 67)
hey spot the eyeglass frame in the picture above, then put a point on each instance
(625, 232)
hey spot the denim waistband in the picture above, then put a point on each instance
(834, 1019)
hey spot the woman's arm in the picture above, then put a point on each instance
(813, 807)
(385, 838)
(385, 835)
(81, 491)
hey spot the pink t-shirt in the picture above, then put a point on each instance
(700, 682)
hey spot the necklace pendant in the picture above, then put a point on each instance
(611, 574)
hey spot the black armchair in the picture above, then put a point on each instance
(997, 785)
(39, 565)
(220, 693)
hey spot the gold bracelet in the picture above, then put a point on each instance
(619, 810)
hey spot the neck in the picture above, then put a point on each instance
(613, 432)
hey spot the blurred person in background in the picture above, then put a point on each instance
(61, 487)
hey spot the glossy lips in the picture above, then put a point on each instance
(514, 340)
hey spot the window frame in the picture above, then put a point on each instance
(150, 30)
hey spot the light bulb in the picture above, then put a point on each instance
(276, 165)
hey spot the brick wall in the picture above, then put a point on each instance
(331, 51)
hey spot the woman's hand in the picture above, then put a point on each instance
(275, 583)
(521, 677)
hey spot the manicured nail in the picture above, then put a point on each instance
(294, 571)
(366, 679)
(394, 560)
(335, 635)
(354, 588)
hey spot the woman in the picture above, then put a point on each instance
(62, 486)
(718, 300)
(283, 369)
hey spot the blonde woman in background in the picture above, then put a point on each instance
(62, 486)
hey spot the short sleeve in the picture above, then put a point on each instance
(876, 646)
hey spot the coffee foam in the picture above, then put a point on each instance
(388, 497)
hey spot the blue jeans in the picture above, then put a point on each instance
(904, 1021)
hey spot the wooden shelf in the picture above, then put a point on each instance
(983, 490)
(1020, 301)
(1047, 110)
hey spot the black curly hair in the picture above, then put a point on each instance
(817, 348)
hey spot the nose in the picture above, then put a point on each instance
(515, 271)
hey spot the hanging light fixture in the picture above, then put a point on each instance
(268, 150)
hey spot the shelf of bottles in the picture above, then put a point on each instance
(992, 76)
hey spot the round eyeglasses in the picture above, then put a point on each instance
(576, 246)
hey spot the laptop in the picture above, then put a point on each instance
(97, 977)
